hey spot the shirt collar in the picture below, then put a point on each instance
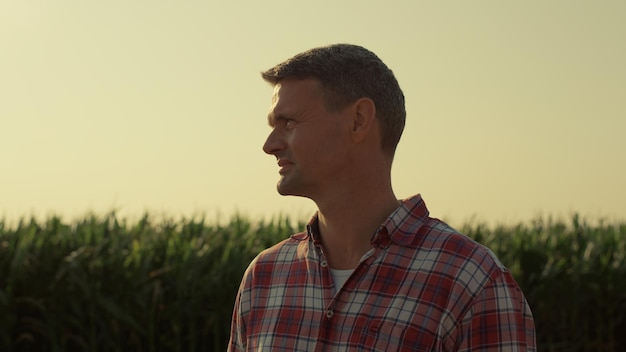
(313, 229)
(402, 225)
(399, 228)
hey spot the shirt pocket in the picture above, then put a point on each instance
(383, 335)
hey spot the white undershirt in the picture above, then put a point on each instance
(340, 276)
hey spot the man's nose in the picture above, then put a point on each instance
(274, 142)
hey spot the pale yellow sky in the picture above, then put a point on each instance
(515, 109)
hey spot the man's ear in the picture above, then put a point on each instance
(363, 118)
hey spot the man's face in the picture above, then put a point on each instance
(309, 142)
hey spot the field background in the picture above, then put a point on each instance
(108, 284)
(515, 110)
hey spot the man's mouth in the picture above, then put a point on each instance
(284, 166)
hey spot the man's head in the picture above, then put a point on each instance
(347, 73)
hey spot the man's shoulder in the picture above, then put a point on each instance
(457, 249)
(284, 250)
(276, 261)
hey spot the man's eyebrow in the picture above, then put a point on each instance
(272, 119)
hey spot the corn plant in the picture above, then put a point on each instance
(105, 284)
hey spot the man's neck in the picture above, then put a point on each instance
(348, 224)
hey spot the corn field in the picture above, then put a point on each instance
(105, 284)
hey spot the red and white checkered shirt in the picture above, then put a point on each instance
(423, 287)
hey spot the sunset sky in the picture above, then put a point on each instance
(515, 109)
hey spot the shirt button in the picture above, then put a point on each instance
(324, 263)
(329, 314)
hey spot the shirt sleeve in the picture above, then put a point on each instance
(499, 319)
(237, 327)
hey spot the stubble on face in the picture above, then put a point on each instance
(304, 137)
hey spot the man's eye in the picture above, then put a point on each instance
(289, 123)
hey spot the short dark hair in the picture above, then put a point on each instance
(346, 73)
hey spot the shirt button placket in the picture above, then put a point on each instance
(329, 313)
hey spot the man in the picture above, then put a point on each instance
(370, 273)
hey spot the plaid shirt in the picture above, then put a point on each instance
(423, 287)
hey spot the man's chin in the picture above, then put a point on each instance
(285, 189)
